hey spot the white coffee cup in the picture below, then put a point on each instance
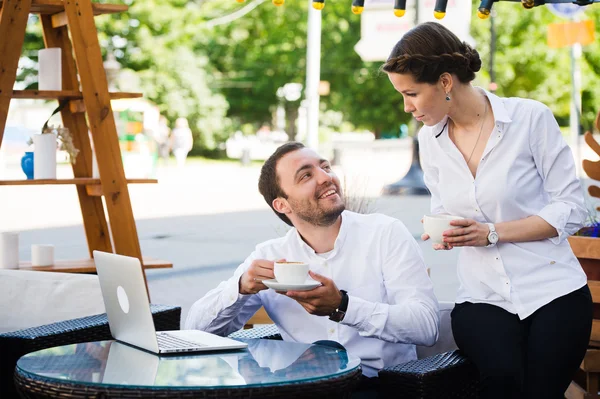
(42, 255)
(435, 225)
(291, 272)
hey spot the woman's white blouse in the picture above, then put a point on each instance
(526, 169)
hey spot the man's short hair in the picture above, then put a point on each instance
(268, 182)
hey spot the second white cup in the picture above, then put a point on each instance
(42, 255)
(435, 225)
(291, 272)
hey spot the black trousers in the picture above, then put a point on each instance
(531, 358)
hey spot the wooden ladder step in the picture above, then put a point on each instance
(65, 94)
(56, 6)
(80, 181)
(88, 265)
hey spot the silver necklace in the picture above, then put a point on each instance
(480, 131)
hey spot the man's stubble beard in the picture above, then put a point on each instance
(318, 217)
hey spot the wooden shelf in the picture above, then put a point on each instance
(65, 94)
(81, 181)
(88, 266)
(56, 6)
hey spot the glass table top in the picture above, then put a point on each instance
(264, 362)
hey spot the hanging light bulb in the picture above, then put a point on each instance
(399, 8)
(485, 7)
(528, 4)
(358, 6)
(439, 11)
(278, 2)
(318, 4)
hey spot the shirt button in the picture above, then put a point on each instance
(325, 264)
(552, 262)
(331, 330)
(476, 210)
(497, 258)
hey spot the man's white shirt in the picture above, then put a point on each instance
(376, 260)
(526, 169)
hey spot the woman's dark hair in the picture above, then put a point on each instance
(430, 49)
(268, 182)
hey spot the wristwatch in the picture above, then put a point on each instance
(492, 236)
(338, 314)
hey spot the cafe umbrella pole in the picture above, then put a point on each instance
(412, 183)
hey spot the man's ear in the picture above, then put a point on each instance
(281, 205)
(446, 81)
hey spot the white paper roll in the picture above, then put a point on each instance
(9, 250)
(42, 255)
(44, 156)
(50, 75)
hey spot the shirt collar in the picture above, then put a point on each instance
(339, 241)
(498, 108)
(500, 112)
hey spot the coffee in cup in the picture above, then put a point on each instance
(435, 225)
(291, 272)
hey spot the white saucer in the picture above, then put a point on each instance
(307, 285)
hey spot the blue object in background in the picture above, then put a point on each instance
(27, 164)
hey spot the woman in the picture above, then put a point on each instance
(523, 312)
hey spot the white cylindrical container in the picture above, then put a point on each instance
(50, 74)
(44, 156)
(42, 255)
(95, 172)
(9, 250)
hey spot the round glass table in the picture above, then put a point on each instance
(110, 369)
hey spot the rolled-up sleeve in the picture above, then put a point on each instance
(554, 161)
(411, 314)
(224, 310)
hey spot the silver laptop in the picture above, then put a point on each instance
(129, 316)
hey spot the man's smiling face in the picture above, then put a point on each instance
(312, 188)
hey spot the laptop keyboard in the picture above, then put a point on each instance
(167, 341)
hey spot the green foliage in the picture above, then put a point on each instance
(226, 76)
(526, 67)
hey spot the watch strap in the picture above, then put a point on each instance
(344, 303)
(338, 314)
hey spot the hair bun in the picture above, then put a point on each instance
(473, 57)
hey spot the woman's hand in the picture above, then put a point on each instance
(469, 233)
(437, 247)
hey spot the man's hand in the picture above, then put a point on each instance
(259, 270)
(321, 301)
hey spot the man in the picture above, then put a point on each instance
(376, 298)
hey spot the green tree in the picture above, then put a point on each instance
(526, 67)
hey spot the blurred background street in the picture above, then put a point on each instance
(205, 218)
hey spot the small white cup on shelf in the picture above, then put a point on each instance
(42, 255)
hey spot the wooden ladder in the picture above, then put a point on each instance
(70, 25)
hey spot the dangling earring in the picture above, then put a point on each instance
(447, 97)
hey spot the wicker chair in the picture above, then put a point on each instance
(15, 344)
(447, 375)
